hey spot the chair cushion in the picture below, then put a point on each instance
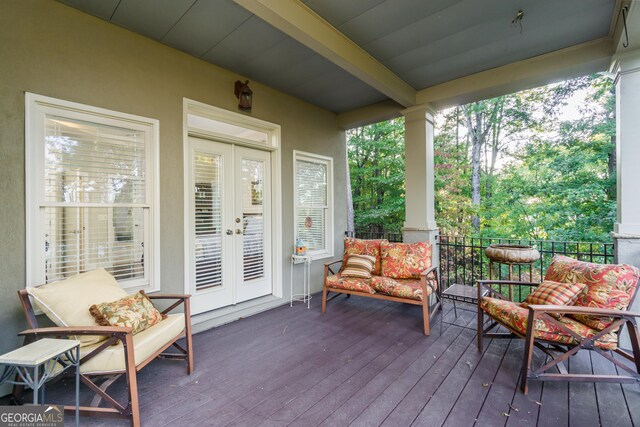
(608, 286)
(401, 288)
(67, 302)
(405, 260)
(147, 342)
(134, 311)
(350, 283)
(515, 316)
(363, 247)
(359, 266)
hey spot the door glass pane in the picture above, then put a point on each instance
(208, 220)
(253, 218)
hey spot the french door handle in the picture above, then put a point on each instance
(229, 232)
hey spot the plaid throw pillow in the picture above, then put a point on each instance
(555, 293)
(359, 266)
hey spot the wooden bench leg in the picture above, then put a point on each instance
(425, 316)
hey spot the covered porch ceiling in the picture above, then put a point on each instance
(367, 59)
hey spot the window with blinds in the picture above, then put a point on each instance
(90, 194)
(313, 202)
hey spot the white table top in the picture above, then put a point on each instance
(37, 352)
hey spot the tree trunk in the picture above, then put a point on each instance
(477, 138)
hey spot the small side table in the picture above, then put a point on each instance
(34, 364)
(305, 296)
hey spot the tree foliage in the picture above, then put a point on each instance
(511, 166)
(376, 166)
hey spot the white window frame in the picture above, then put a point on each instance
(37, 107)
(327, 252)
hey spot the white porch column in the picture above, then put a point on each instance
(420, 223)
(626, 234)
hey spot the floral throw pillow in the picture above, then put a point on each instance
(135, 311)
(405, 260)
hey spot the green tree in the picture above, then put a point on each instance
(376, 166)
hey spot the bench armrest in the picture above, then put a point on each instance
(335, 261)
(327, 267)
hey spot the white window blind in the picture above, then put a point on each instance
(90, 194)
(313, 214)
(208, 220)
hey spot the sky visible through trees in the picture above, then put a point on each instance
(537, 164)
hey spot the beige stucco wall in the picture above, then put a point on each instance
(50, 49)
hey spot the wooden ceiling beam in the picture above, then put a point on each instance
(298, 21)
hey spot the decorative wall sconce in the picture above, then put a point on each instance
(244, 94)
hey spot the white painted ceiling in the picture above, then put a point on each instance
(424, 42)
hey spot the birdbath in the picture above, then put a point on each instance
(511, 255)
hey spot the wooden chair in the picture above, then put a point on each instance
(118, 339)
(561, 338)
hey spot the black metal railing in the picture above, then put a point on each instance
(462, 259)
(390, 236)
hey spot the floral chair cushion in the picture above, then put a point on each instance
(401, 288)
(337, 281)
(405, 260)
(515, 316)
(608, 286)
(135, 311)
(363, 247)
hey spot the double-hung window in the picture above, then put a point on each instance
(91, 193)
(313, 200)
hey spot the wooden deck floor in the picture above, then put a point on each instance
(365, 363)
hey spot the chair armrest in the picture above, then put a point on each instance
(572, 309)
(181, 299)
(507, 282)
(78, 330)
(168, 296)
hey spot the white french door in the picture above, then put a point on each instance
(230, 224)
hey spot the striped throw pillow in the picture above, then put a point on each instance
(555, 293)
(359, 266)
